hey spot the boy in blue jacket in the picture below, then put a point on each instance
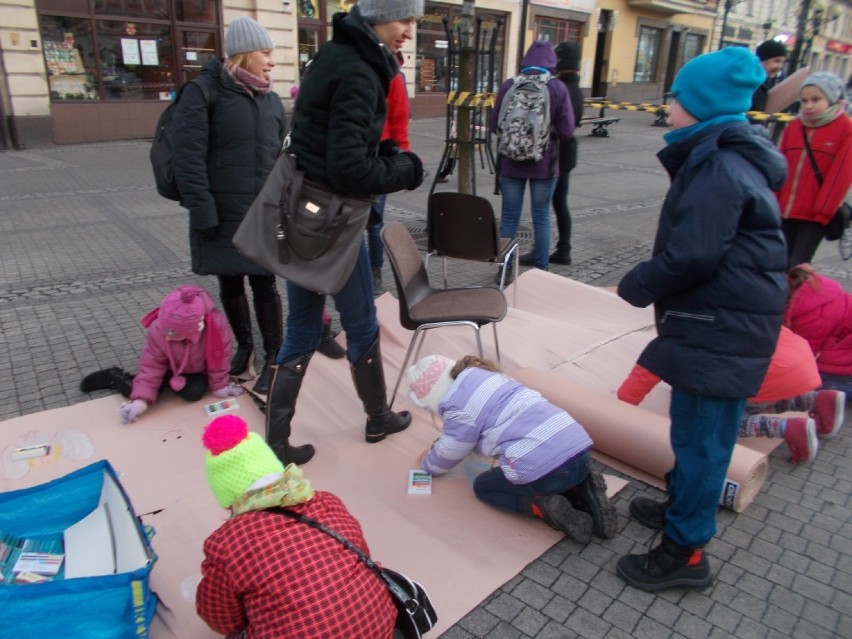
(717, 282)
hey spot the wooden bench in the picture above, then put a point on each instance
(600, 121)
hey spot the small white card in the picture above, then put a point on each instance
(419, 482)
(220, 407)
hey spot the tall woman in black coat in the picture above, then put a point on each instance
(223, 153)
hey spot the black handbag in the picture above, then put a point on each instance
(843, 216)
(302, 231)
(415, 615)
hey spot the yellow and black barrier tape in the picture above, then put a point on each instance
(468, 99)
(756, 116)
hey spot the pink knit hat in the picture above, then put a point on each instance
(182, 312)
(430, 380)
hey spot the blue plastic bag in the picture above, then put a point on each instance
(113, 606)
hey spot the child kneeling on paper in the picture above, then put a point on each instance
(790, 385)
(187, 347)
(265, 574)
(544, 454)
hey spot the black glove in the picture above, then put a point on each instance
(388, 148)
(419, 174)
(209, 233)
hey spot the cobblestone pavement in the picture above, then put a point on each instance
(87, 247)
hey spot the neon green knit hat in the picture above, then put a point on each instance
(235, 458)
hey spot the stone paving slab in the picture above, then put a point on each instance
(87, 247)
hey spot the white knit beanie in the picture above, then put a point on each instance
(245, 35)
(382, 11)
(430, 380)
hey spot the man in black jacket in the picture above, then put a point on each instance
(772, 55)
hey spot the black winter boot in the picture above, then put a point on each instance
(270, 319)
(650, 513)
(280, 408)
(113, 378)
(666, 566)
(369, 377)
(557, 512)
(328, 346)
(589, 496)
(239, 317)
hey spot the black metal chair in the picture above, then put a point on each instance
(463, 226)
(422, 307)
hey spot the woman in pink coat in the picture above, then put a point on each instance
(821, 311)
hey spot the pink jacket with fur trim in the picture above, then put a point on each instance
(211, 354)
(821, 312)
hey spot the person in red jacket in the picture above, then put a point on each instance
(394, 140)
(821, 311)
(809, 198)
(789, 385)
(268, 576)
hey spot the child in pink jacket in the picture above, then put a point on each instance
(187, 347)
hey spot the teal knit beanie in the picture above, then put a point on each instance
(718, 83)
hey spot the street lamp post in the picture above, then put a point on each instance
(729, 4)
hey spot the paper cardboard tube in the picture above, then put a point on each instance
(640, 438)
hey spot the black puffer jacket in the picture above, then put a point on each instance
(568, 148)
(341, 110)
(221, 163)
(717, 278)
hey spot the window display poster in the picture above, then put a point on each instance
(149, 52)
(130, 51)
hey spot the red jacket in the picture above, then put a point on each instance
(821, 312)
(801, 197)
(399, 113)
(274, 577)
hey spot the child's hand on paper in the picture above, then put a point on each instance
(130, 411)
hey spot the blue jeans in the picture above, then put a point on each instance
(703, 433)
(541, 192)
(374, 238)
(354, 302)
(493, 488)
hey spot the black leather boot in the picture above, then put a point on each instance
(270, 319)
(369, 377)
(113, 378)
(328, 346)
(666, 566)
(239, 317)
(281, 406)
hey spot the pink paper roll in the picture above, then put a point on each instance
(639, 438)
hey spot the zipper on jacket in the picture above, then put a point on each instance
(689, 316)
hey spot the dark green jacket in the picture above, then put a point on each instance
(340, 112)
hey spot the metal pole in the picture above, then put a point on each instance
(522, 36)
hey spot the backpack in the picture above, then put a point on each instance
(523, 125)
(161, 147)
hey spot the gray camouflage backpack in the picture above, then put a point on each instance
(523, 126)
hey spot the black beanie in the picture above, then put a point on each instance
(771, 49)
(568, 56)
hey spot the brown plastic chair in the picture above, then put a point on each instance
(463, 226)
(422, 307)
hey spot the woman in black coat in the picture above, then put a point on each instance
(337, 127)
(226, 143)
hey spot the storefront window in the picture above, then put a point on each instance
(692, 45)
(143, 55)
(647, 54)
(432, 68)
(70, 58)
(136, 60)
(196, 11)
(556, 31)
(157, 9)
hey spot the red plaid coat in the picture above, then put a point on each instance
(277, 578)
